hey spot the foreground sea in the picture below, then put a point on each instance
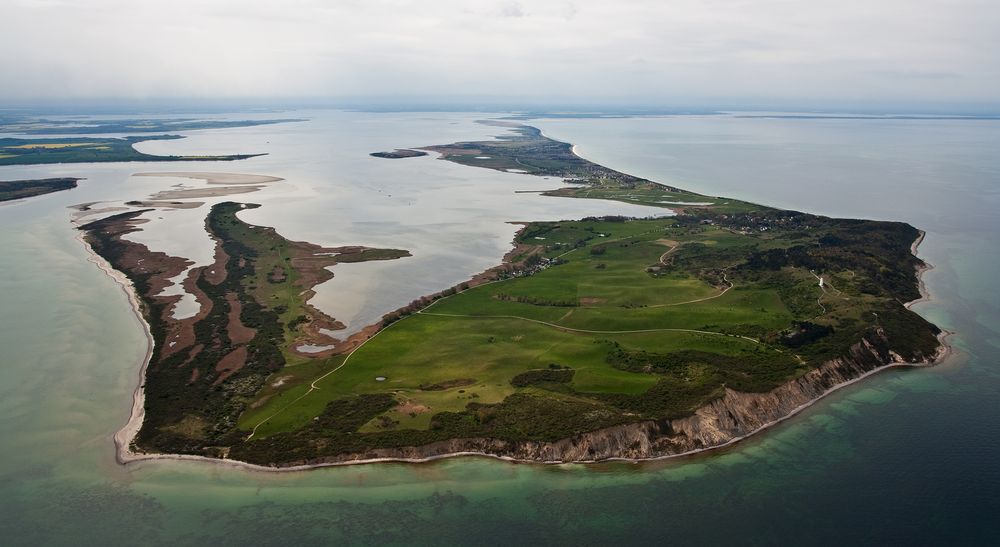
(907, 457)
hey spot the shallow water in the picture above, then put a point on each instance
(453, 220)
(907, 457)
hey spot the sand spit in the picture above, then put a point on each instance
(215, 178)
(187, 193)
(240, 183)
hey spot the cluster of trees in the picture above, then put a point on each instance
(752, 371)
(420, 303)
(805, 332)
(537, 300)
(550, 375)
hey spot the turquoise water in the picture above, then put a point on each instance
(907, 457)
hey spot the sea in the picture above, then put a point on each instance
(907, 457)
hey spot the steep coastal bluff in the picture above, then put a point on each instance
(722, 422)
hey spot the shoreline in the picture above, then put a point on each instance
(124, 437)
(925, 295)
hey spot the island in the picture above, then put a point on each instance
(596, 339)
(20, 189)
(88, 149)
(399, 153)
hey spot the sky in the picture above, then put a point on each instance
(666, 52)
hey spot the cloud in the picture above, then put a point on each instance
(704, 50)
(511, 9)
(570, 11)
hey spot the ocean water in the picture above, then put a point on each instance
(906, 457)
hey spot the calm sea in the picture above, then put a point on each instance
(907, 457)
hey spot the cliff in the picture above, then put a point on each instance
(722, 422)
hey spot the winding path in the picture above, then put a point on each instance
(725, 277)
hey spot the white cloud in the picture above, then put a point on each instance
(886, 50)
(511, 9)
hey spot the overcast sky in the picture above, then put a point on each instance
(655, 52)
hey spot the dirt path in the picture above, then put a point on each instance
(818, 300)
(725, 277)
(673, 247)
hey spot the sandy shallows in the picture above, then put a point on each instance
(216, 178)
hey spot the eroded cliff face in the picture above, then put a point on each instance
(723, 421)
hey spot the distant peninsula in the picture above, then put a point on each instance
(20, 189)
(596, 339)
(90, 149)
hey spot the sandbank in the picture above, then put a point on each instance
(215, 178)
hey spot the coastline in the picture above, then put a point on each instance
(124, 437)
(925, 295)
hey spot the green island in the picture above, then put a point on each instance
(74, 126)
(399, 153)
(90, 149)
(21, 189)
(600, 338)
